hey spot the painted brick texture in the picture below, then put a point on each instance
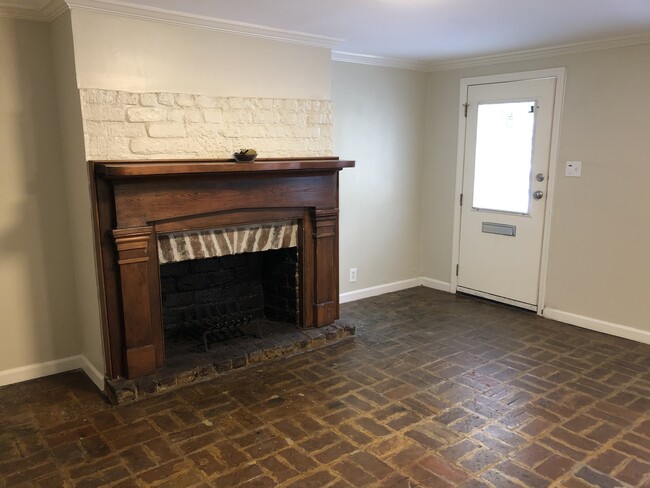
(125, 125)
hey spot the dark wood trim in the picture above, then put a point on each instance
(108, 276)
(136, 249)
(325, 255)
(134, 201)
(223, 219)
(166, 168)
(307, 268)
(336, 267)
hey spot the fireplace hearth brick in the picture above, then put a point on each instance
(223, 358)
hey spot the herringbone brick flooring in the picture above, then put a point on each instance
(436, 390)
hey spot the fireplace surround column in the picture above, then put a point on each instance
(326, 274)
(139, 295)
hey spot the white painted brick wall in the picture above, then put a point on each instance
(166, 129)
(124, 125)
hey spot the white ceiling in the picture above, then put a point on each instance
(424, 31)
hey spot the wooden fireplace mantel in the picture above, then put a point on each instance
(115, 169)
(135, 200)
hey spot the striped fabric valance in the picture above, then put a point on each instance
(183, 246)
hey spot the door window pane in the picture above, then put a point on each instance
(504, 150)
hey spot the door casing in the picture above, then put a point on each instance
(560, 75)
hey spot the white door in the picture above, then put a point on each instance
(505, 177)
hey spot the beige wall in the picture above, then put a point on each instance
(37, 300)
(118, 53)
(600, 235)
(379, 121)
(78, 193)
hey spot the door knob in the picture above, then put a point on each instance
(538, 194)
(539, 177)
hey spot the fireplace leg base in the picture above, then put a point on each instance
(206, 366)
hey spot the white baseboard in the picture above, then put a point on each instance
(611, 328)
(373, 291)
(33, 371)
(92, 372)
(436, 284)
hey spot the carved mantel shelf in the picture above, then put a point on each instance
(136, 200)
(115, 169)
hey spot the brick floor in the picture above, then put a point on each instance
(436, 390)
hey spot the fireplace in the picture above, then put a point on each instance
(148, 211)
(214, 299)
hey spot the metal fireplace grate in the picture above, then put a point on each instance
(212, 323)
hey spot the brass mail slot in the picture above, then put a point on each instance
(500, 229)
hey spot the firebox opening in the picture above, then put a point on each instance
(205, 301)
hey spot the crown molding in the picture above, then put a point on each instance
(129, 10)
(511, 57)
(564, 49)
(36, 10)
(380, 61)
(53, 9)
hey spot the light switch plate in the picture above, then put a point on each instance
(573, 168)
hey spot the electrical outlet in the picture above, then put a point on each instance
(353, 275)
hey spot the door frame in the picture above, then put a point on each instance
(560, 76)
